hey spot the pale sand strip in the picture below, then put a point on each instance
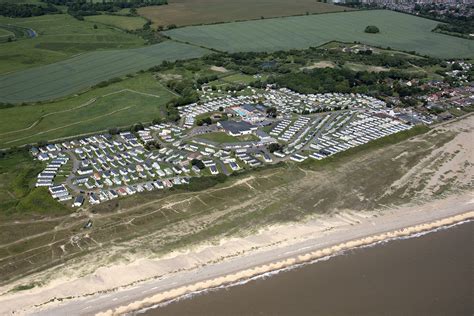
(232, 260)
(275, 266)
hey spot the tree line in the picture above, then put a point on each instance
(347, 81)
(25, 10)
(81, 8)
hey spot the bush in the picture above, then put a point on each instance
(198, 163)
(372, 29)
(274, 147)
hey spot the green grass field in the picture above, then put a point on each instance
(138, 99)
(192, 12)
(60, 36)
(221, 137)
(128, 23)
(397, 30)
(81, 72)
(17, 193)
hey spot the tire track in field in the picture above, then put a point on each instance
(72, 124)
(91, 101)
(49, 114)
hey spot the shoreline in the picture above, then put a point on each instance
(126, 288)
(290, 263)
(294, 267)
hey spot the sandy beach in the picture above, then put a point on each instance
(117, 289)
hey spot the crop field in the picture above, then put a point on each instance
(60, 36)
(138, 99)
(192, 12)
(128, 23)
(397, 30)
(83, 71)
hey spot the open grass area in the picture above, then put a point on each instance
(192, 12)
(362, 67)
(59, 36)
(138, 99)
(397, 30)
(238, 78)
(221, 137)
(83, 71)
(17, 193)
(128, 23)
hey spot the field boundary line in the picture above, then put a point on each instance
(91, 101)
(48, 114)
(72, 124)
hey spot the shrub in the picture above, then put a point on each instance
(372, 29)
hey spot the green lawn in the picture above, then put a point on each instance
(83, 71)
(128, 23)
(17, 193)
(5, 33)
(113, 106)
(59, 36)
(397, 30)
(221, 137)
(239, 78)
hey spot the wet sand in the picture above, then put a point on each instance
(425, 275)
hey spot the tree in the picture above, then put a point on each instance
(198, 163)
(272, 112)
(274, 147)
(95, 26)
(456, 66)
(372, 29)
(206, 120)
(113, 131)
(137, 127)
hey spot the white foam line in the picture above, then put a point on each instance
(267, 270)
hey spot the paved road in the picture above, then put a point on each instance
(75, 166)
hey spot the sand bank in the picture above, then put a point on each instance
(120, 288)
(279, 265)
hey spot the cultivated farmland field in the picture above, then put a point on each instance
(137, 99)
(60, 36)
(192, 12)
(397, 30)
(83, 71)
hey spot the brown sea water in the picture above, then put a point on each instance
(432, 274)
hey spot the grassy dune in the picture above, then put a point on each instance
(397, 30)
(156, 223)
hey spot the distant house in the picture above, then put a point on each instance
(213, 169)
(34, 151)
(445, 116)
(78, 201)
(237, 128)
